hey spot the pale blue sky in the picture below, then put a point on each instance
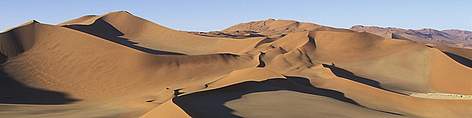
(208, 15)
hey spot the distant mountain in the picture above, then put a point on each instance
(454, 38)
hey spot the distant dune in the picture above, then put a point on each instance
(121, 65)
(452, 38)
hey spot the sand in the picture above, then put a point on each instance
(451, 38)
(442, 96)
(121, 65)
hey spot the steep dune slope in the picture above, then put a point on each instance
(354, 51)
(123, 26)
(96, 54)
(90, 69)
(84, 20)
(398, 64)
(278, 28)
(301, 58)
(17, 40)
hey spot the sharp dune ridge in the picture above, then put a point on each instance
(121, 65)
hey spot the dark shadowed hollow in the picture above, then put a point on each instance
(460, 59)
(14, 92)
(210, 104)
(105, 30)
(351, 76)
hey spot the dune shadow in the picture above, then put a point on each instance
(210, 104)
(351, 76)
(14, 92)
(261, 60)
(460, 59)
(105, 30)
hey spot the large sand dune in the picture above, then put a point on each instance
(120, 65)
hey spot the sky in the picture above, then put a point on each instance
(212, 15)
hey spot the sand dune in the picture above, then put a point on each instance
(86, 68)
(124, 27)
(453, 38)
(121, 65)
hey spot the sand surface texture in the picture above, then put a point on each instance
(119, 65)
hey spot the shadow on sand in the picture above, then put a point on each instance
(351, 76)
(460, 59)
(210, 104)
(105, 30)
(14, 92)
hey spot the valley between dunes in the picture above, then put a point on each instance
(119, 65)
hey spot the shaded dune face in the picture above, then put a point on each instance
(17, 40)
(14, 92)
(104, 30)
(50, 67)
(120, 65)
(341, 69)
(218, 102)
(460, 59)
